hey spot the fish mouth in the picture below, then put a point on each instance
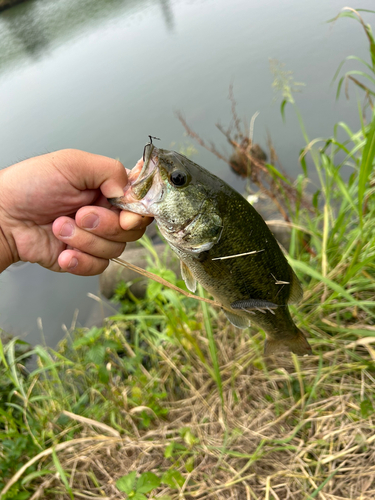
(147, 168)
(140, 190)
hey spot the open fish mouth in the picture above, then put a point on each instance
(145, 166)
(141, 190)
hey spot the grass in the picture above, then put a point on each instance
(167, 400)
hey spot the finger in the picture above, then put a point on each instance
(89, 171)
(66, 230)
(106, 223)
(130, 220)
(82, 264)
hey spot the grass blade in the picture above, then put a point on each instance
(366, 165)
(212, 345)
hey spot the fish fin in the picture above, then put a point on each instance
(297, 344)
(190, 281)
(296, 292)
(253, 304)
(236, 320)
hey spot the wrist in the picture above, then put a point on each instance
(6, 257)
(6, 253)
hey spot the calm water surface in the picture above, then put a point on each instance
(100, 75)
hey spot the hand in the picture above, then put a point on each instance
(54, 211)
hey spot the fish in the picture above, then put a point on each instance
(222, 243)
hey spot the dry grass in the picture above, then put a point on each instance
(296, 432)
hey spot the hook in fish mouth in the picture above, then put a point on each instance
(149, 144)
(147, 155)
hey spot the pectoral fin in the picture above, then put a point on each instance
(236, 320)
(190, 281)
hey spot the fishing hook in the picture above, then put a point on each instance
(149, 144)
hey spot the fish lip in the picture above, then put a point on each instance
(146, 172)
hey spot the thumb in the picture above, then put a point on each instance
(89, 171)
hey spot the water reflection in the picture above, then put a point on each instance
(167, 11)
(24, 30)
(30, 29)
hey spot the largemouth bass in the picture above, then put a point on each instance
(222, 242)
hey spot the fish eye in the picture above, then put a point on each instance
(178, 178)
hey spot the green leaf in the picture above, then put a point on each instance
(22, 495)
(139, 496)
(103, 374)
(173, 478)
(366, 164)
(366, 408)
(96, 354)
(35, 474)
(147, 482)
(315, 199)
(303, 162)
(189, 464)
(276, 173)
(127, 483)
(190, 439)
(282, 109)
(62, 474)
(168, 452)
(89, 337)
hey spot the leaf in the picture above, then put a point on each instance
(126, 483)
(96, 354)
(22, 495)
(315, 199)
(276, 173)
(139, 496)
(147, 482)
(89, 337)
(35, 474)
(190, 439)
(168, 452)
(282, 109)
(366, 408)
(302, 159)
(173, 478)
(62, 474)
(366, 164)
(189, 464)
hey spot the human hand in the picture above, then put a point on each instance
(54, 211)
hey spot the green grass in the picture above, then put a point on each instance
(167, 400)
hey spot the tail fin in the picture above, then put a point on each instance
(297, 344)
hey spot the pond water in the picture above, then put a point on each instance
(100, 75)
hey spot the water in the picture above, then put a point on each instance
(100, 75)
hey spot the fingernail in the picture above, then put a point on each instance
(90, 221)
(67, 230)
(73, 263)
